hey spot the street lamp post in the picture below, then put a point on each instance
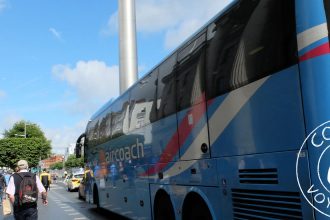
(23, 135)
(24, 129)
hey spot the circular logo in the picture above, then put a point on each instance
(315, 185)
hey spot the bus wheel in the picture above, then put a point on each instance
(195, 208)
(96, 200)
(163, 208)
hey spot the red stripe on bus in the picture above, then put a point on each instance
(318, 51)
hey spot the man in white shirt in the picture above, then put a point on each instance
(27, 210)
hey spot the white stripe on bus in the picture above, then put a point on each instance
(312, 35)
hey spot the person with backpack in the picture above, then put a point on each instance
(45, 179)
(23, 189)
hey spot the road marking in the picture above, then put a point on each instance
(80, 218)
(74, 213)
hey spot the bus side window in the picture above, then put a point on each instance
(327, 12)
(143, 96)
(120, 111)
(96, 132)
(190, 73)
(92, 132)
(105, 127)
(254, 39)
(88, 134)
(108, 125)
(166, 104)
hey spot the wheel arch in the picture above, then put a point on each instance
(195, 194)
(163, 200)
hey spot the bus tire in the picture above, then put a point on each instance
(195, 208)
(163, 208)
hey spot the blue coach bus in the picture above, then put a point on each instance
(232, 125)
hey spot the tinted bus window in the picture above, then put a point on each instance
(119, 122)
(143, 98)
(89, 134)
(254, 39)
(105, 127)
(327, 11)
(92, 132)
(190, 73)
(166, 88)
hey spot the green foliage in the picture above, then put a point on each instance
(14, 148)
(30, 149)
(18, 131)
(58, 166)
(73, 162)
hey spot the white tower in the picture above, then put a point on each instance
(127, 44)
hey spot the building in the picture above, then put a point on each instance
(69, 151)
(46, 163)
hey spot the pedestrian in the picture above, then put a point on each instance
(55, 178)
(2, 187)
(23, 189)
(88, 176)
(45, 179)
(7, 177)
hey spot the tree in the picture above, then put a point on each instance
(14, 148)
(18, 130)
(73, 162)
(58, 166)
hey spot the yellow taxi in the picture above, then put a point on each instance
(74, 181)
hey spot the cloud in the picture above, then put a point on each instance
(2, 94)
(175, 36)
(93, 81)
(3, 5)
(178, 19)
(8, 120)
(112, 25)
(56, 34)
(65, 136)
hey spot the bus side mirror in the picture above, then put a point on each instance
(78, 150)
(79, 145)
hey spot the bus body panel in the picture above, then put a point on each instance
(262, 185)
(264, 116)
(164, 142)
(316, 90)
(316, 95)
(193, 133)
(197, 172)
(164, 174)
(309, 13)
(313, 51)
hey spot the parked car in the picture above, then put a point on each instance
(74, 182)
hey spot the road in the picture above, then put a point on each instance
(64, 205)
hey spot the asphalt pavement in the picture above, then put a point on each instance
(64, 205)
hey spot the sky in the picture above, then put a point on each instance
(59, 58)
